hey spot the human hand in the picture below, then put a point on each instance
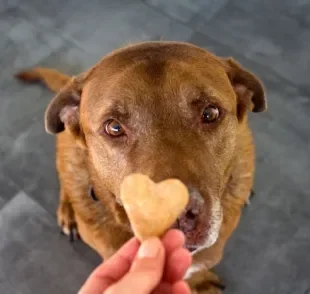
(155, 266)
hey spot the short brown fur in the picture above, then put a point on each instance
(156, 89)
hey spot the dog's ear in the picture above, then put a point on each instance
(64, 110)
(248, 88)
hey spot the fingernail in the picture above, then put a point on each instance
(149, 248)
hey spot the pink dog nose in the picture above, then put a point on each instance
(188, 220)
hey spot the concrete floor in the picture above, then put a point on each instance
(269, 252)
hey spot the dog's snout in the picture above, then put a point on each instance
(188, 220)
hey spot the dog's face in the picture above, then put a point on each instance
(166, 110)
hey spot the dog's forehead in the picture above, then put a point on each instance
(150, 76)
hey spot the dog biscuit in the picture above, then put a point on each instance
(152, 208)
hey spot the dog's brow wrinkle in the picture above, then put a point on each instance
(204, 99)
(117, 112)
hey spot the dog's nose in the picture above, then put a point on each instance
(188, 220)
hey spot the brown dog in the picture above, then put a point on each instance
(167, 110)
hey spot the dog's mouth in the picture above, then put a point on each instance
(195, 229)
(192, 248)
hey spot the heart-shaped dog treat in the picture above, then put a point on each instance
(152, 208)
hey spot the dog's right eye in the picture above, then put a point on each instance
(114, 128)
(210, 114)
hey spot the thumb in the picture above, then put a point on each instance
(146, 271)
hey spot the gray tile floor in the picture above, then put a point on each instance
(269, 253)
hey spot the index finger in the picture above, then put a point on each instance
(112, 270)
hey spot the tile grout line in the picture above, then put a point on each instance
(22, 192)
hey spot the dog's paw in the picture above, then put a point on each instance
(66, 221)
(208, 283)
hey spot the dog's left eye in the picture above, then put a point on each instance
(113, 128)
(210, 114)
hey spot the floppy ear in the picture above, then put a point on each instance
(248, 88)
(63, 111)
